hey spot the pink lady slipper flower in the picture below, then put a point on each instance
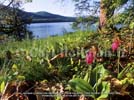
(115, 44)
(89, 57)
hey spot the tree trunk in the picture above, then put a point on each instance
(103, 16)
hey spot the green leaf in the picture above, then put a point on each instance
(98, 72)
(86, 78)
(2, 86)
(20, 77)
(81, 86)
(72, 62)
(124, 71)
(131, 26)
(105, 90)
(14, 67)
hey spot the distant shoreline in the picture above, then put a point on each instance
(50, 21)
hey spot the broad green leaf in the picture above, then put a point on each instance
(2, 86)
(105, 90)
(98, 72)
(81, 86)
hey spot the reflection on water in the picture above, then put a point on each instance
(42, 30)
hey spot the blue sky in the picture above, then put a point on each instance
(52, 6)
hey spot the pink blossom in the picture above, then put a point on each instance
(115, 46)
(89, 57)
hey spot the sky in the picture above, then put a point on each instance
(53, 6)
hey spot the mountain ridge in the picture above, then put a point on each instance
(43, 16)
(38, 17)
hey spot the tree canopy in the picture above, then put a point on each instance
(110, 12)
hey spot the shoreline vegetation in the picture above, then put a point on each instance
(50, 64)
(66, 39)
(51, 21)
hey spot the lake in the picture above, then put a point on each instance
(42, 30)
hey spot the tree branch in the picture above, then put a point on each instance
(6, 6)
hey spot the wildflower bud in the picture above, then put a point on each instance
(28, 58)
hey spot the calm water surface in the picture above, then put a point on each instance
(42, 30)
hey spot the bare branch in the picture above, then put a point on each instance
(3, 7)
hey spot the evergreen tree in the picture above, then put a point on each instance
(11, 23)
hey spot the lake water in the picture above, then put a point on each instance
(42, 30)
